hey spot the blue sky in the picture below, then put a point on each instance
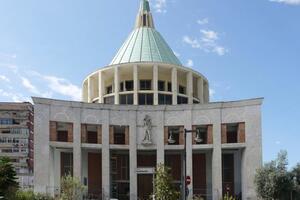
(246, 49)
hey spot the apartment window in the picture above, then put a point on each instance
(169, 87)
(182, 89)
(145, 84)
(161, 85)
(119, 135)
(109, 100)
(182, 100)
(164, 99)
(126, 99)
(232, 133)
(145, 99)
(6, 121)
(129, 85)
(109, 89)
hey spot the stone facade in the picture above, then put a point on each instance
(247, 151)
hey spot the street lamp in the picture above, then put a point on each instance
(171, 140)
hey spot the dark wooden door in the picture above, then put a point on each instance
(94, 174)
(228, 174)
(145, 186)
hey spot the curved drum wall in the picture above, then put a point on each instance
(146, 84)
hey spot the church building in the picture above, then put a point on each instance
(145, 108)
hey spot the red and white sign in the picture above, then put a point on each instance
(188, 180)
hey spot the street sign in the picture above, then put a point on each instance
(188, 180)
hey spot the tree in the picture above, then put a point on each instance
(8, 178)
(295, 175)
(163, 186)
(273, 181)
(71, 188)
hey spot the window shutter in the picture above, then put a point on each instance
(210, 134)
(241, 133)
(224, 133)
(111, 135)
(83, 133)
(99, 134)
(194, 134)
(181, 135)
(70, 132)
(127, 135)
(53, 134)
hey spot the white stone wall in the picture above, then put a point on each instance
(248, 111)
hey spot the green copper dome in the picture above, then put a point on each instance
(145, 44)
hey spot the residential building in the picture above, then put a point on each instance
(16, 138)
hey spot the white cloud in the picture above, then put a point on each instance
(203, 21)
(176, 53)
(15, 97)
(28, 85)
(160, 6)
(194, 43)
(289, 2)
(212, 92)
(4, 78)
(207, 42)
(190, 63)
(63, 87)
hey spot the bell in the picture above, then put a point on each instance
(198, 139)
(171, 140)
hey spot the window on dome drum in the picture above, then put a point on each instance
(145, 84)
(119, 135)
(182, 89)
(174, 135)
(164, 99)
(109, 89)
(182, 100)
(204, 134)
(145, 99)
(161, 85)
(109, 100)
(129, 85)
(233, 133)
(61, 132)
(169, 87)
(121, 86)
(126, 99)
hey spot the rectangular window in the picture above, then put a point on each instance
(145, 84)
(126, 99)
(92, 137)
(164, 99)
(109, 89)
(202, 137)
(169, 87)
(161, 86)
(121, 86)
(129, 85)
(182, 100)
(109, 100)
(119, 135)
(232, 133)
(66, 163)
(62, 136)
(145, 99)
(173, 135)
(182, 89)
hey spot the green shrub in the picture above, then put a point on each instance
(30, 195)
